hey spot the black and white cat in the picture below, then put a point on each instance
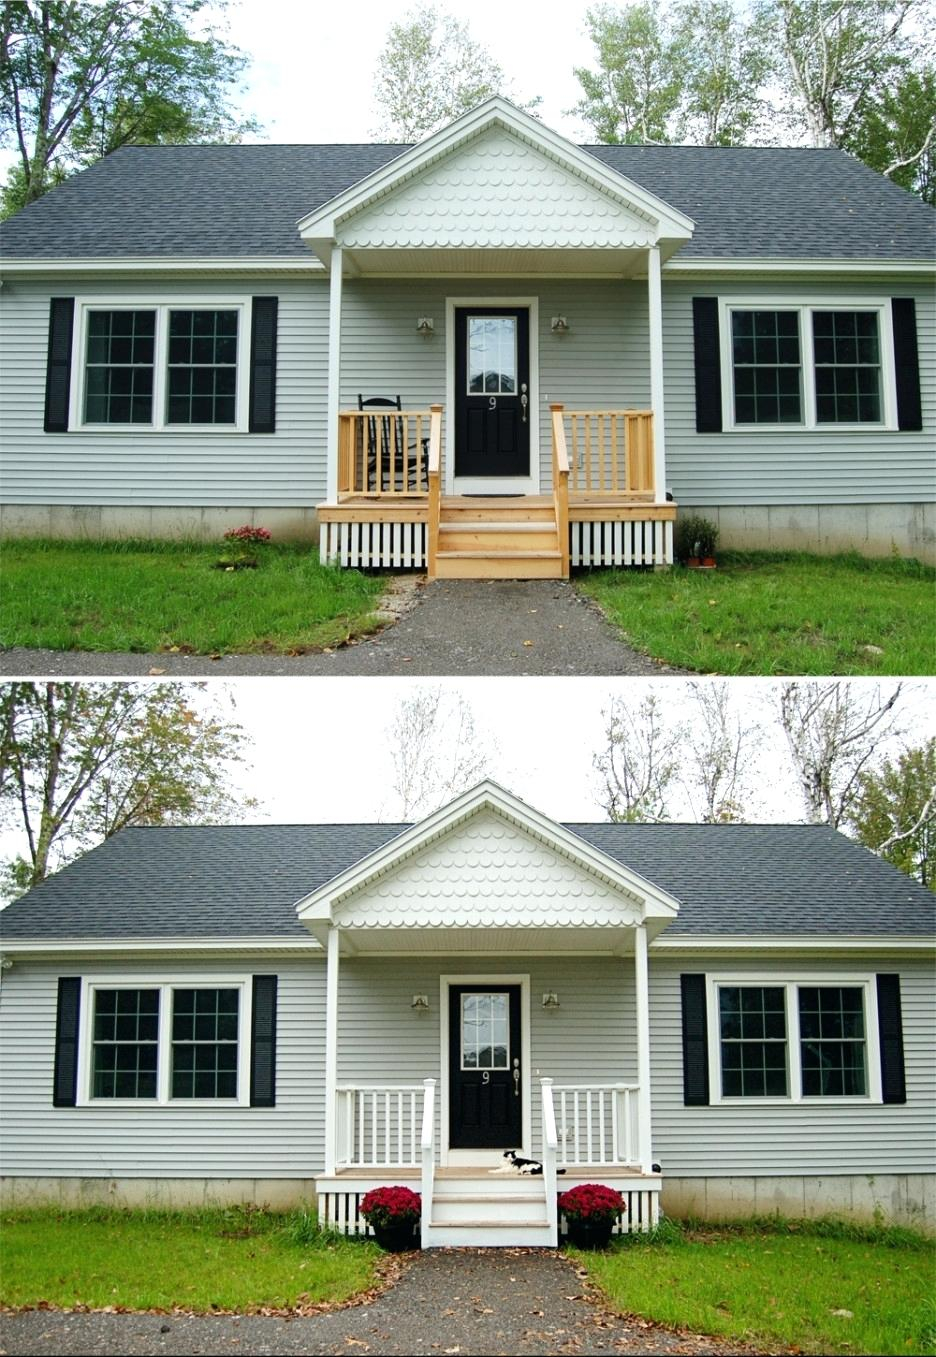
(517, 1164)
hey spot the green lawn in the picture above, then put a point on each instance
(150, 596)
(234, 1259)
(780, 1283)
(771, 613)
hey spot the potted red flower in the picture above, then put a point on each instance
(591, 1210)
(244, 544)
(393, 1214)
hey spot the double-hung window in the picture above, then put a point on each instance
(793, 1041)
(161, 366)
(167, 1042)
(810, 365)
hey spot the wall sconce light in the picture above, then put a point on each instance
(420, 1003)
(426, 326)
(560, 325)
(551, 999)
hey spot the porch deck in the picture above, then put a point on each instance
(390, 511)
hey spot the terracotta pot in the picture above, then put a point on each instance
(396, 1238)
(590, 1234)
(694, 563)
(709, 563)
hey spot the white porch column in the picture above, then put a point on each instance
(334, 375)
(655, 299)
(642, 987)
(331, 1050)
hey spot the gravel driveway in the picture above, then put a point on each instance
(448, 1301)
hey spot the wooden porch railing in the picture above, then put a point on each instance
(610, 453)
(560, 474)
(597, 1123)
(383, 453)
(434, 467)
(378, 1125)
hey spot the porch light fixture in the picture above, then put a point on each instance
(420, 1003)
(559, 325)
(551, 999)
(426, 326)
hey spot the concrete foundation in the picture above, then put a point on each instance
(109, 521)
(871, 529)
(887, 1198)
(73, 1194)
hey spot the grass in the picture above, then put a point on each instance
(774, 1282)
(235, 1259)
(160, 596)
(778, 613)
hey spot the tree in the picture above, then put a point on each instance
(721, 750)
(724, 62)
(436, 751)
(833, 731)
(79, 761)
(79, 78)
(894, 813)
(635, 92)
(895, 135)
(430, 72)
(640, 762)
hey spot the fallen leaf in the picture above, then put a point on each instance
(157, 671)
(528, 643)
(843, 1314)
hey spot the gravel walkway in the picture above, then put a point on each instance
(446, 627)
(466, 1301)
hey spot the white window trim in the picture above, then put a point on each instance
(165, 984)
(162, 306)
(791, 983)
(804, 310)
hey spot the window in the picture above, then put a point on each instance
(492, 355)
(807, 365)
(161, 366)
(793, 1040)
(167, 1041)
(485, 1040)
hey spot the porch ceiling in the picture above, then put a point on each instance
(618, 263)
(428, 941)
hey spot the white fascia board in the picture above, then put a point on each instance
(497, 111)
(688, 944)
(171, 264)
(691, 265)
(487, 795)
(122, 946)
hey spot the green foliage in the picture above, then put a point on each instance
(895, 813)
(635, 93)
(84, 760)
(896, 123)
(694, 536)
(79, 79)
(239, 1258)
(430, 72)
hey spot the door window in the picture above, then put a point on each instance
(492, 355)
(485, 1041)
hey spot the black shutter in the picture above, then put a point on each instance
(65, 1079)
(263, 365)
(707, 352)
(906, 364)
(893, 1082)
(695, 1041)
(263, 1042)
(58, 364)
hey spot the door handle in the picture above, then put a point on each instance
(523, 401)
(516, 1078)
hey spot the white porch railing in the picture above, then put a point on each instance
(427, 1151)
(378, 1125)
(597, 1123)
(550, 1151)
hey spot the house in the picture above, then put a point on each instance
(730, 1018)
(568, 345)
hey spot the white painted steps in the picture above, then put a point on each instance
(503, 538)
(484, 1210)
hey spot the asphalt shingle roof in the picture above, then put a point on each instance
(244, 880)
(232, 201)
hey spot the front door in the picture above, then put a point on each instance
(492, 392)
(485, 1067)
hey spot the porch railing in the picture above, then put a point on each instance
(378, 1125)
(560, 475)
(549, 1154)
(434, 476)
(384, 454)
(610, 453)
(597, 1123)
(427, 1151)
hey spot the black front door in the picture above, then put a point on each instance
(492, 391)
(486, 1075)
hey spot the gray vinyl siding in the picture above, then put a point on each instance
(173, 468)
(172, 1141)
(793, 1139)
(792, 466)
(601, 363)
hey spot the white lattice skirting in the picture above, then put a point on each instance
(398, 546)
(640, 542)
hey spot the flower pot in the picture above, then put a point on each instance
(709, 563)
(396, 1238)
(590, 1234)
(694, 562)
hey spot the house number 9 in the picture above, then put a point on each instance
(485, 1078)
(492, 403)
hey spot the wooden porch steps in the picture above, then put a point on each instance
(498, 538)
(480, 1210)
